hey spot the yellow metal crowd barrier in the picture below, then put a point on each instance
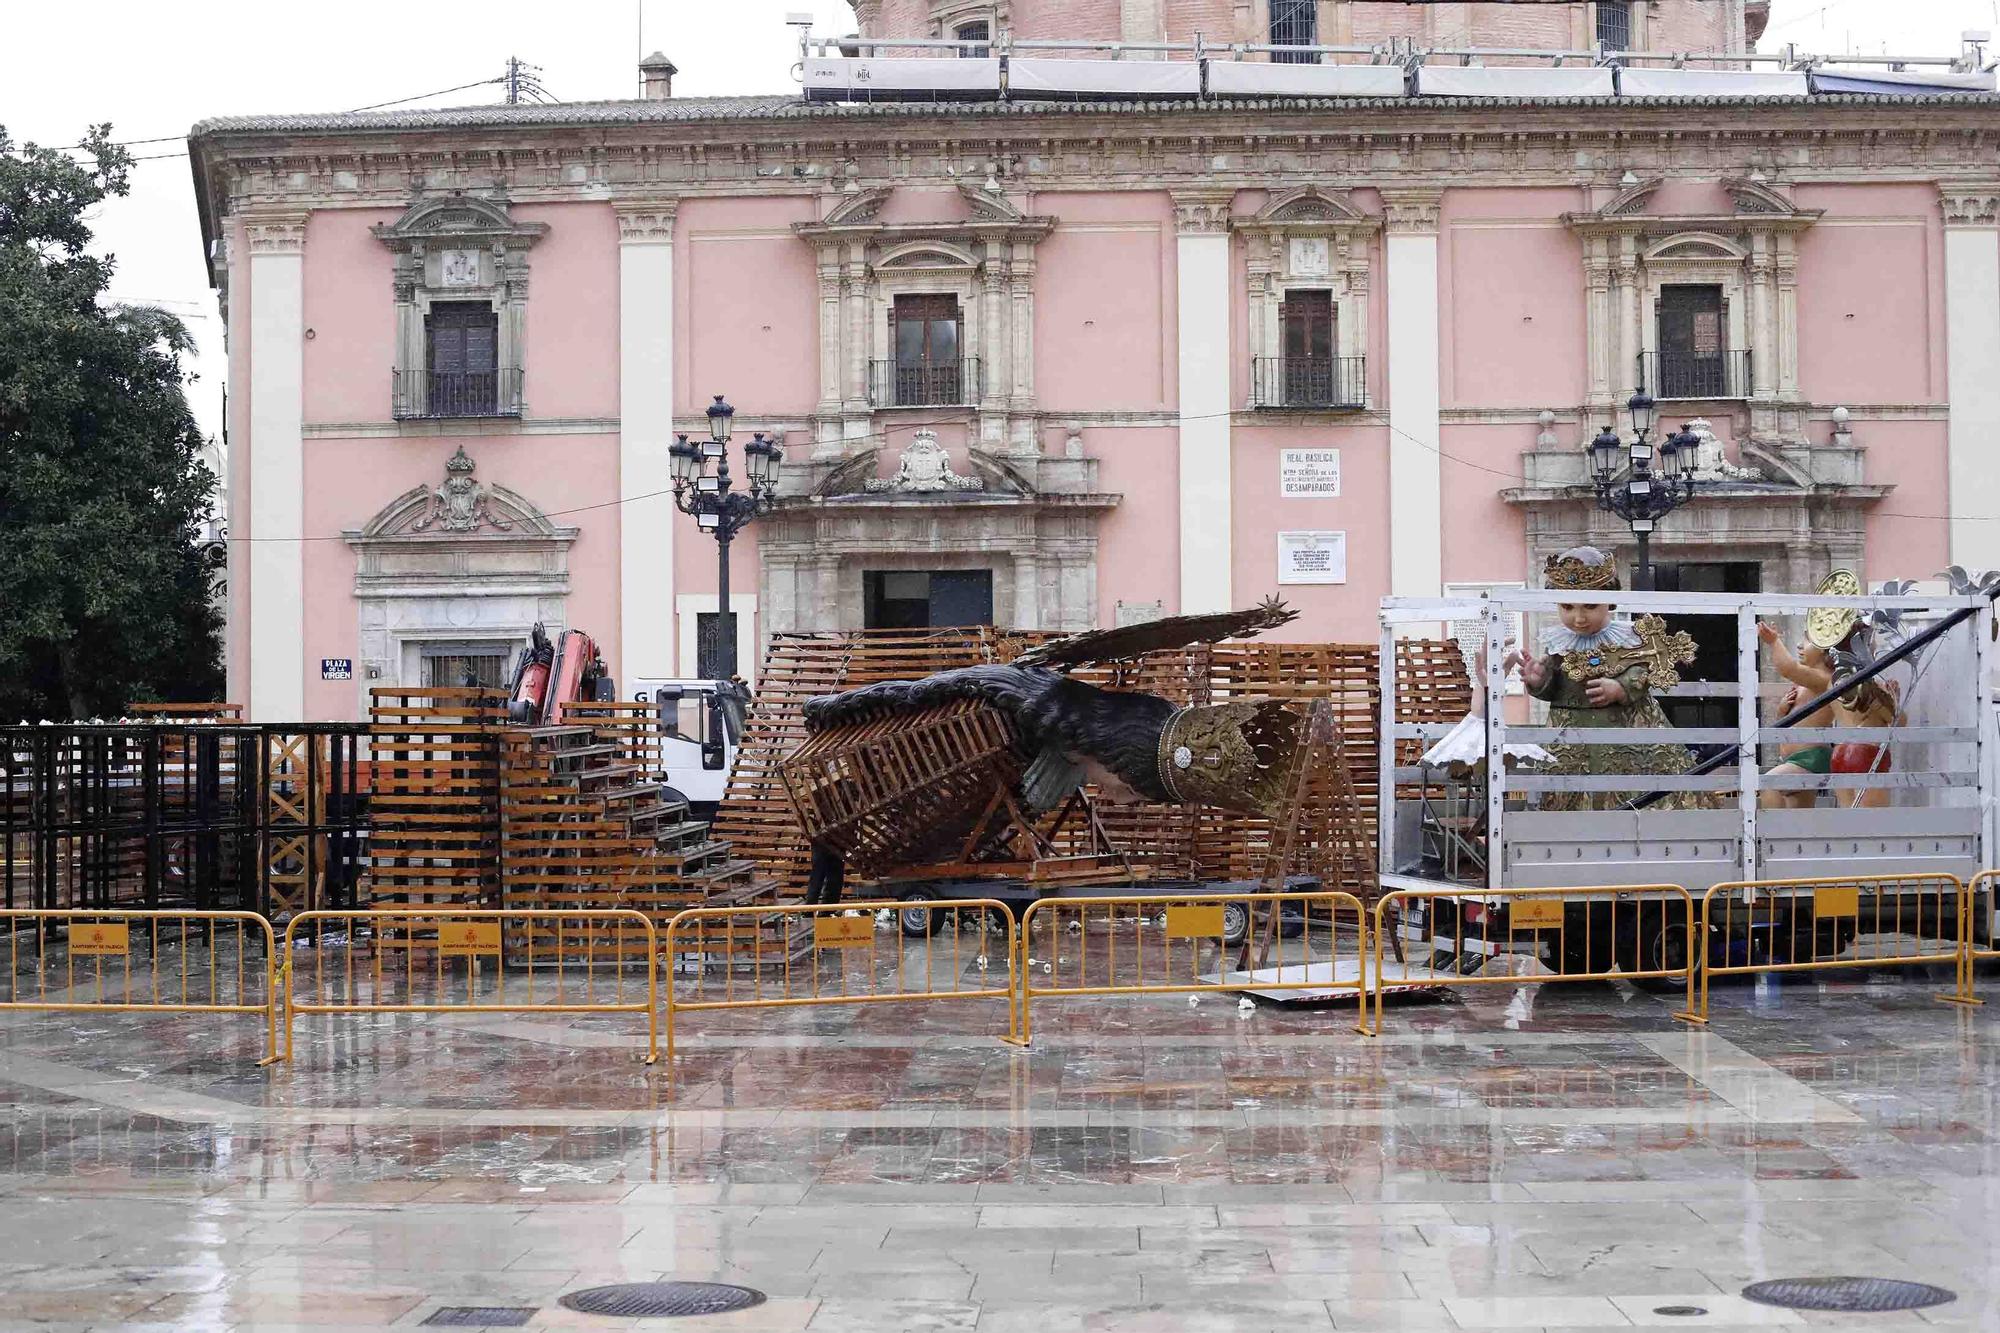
(454, 960)
(182, 961)
(1807, 925)
(1983, 885)
(1166, 943)
(761, 957)
(1635, 932)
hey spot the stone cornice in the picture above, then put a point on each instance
(1661, 224)
(1117, 149)
(1970, 203)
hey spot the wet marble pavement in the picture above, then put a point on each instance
(1555, 1157)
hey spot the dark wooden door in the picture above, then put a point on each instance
(927, 350)
(464, 359)
(961, 597)
(1693, 342)
(1307, 321)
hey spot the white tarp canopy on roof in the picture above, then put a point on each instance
(1538, 81)
(1133, 78)
(1712, 83)
(897, 75)
(1900, 81)
(1278, 79)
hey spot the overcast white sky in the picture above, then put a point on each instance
(153, 69)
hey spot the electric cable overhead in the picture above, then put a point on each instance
(1371, 414)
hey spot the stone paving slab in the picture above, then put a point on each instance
(1573, 1162)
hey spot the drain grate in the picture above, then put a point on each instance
(481, 1316)
(1866, 1295)
(1681, 1311)
(662, 1300)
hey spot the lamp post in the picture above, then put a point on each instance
(718, 509)
(1646, 493)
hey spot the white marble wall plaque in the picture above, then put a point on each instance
(1312, 557)
(1309, 474)
(1307, 257)
(459, 268)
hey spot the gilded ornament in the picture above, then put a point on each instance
(1567, 573)
(1235, 755)
(1829, 626)
(1660, 653)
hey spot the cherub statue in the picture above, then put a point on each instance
(1598, 671)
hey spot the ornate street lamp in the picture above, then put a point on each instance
(1649, 489)
(719, 509)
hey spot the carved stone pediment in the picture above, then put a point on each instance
(1632, 199)
(1752, 196)
(1755, 206)
(988, 214)
(459, 217)
(459, 508)
(1309, 205)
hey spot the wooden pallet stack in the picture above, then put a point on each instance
(585, 825)
(434, 797)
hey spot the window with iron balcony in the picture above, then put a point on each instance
(1308, 255)
(460, 286)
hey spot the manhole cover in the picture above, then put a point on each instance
(1868, 1295)
(1681, 1311)
(662, 1300)
(481, 1316)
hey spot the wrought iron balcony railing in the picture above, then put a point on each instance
(948, 384)
(1323, 383)
(1717, 375)
(436, 393)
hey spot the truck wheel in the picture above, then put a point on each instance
(917, 922)
(1665, 948)
(1235, 923)
(1587, 943)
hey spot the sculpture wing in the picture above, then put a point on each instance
(1009, 688)
(1130, 641)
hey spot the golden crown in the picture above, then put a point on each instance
(1569, 573)
(1237, 755)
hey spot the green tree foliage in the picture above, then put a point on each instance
(104, 578)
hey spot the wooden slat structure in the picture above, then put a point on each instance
(435, 796)
(756, 815)
(1165, 839)
(213, 712)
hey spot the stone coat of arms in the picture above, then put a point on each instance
(458, 504)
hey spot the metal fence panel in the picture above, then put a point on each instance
(452, 961)
(1144, 944)
(794, 955)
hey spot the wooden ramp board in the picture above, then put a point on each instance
(1399, 978)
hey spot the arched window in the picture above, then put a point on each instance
(980, 30)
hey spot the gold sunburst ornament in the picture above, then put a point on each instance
(1660, 653)
(1829, 626)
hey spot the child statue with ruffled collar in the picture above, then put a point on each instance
(1598, 670)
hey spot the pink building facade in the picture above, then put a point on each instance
(1060, 364)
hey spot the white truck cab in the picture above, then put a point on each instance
(701, 727)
